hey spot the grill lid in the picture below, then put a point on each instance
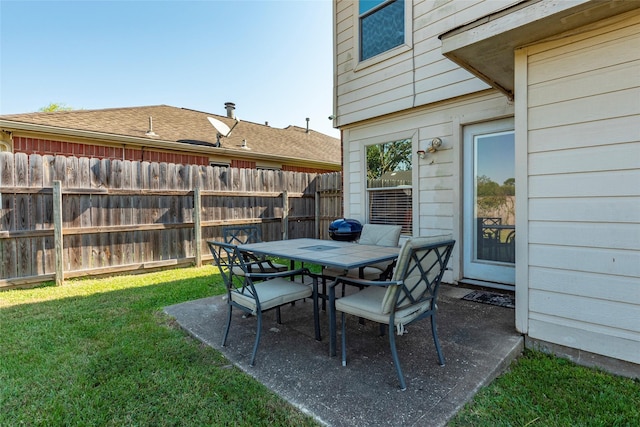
(345, 229)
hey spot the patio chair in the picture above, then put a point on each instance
(488, 237)
(372, 234)
(243, 234)
(254, 293)
(409, 296)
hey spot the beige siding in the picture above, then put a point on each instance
(414, 77)
(584, 190)
(437, 177)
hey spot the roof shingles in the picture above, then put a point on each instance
(190, 126)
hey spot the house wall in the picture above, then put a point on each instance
(44, 146)
(577, 109)
(406, 77)
(581, 98)
(436, 178)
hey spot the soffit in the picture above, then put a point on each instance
(486, 46)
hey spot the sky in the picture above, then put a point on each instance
(495, 157)
(272, 58)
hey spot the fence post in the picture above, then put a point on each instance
(285, 215)
(57, 232)
(197, 224)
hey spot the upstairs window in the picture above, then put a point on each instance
(389, 184)
(382, 26)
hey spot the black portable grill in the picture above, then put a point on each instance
(345, 229)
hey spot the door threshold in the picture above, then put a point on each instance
(486, 284)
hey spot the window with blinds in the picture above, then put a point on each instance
(389, 184)
(391, 206)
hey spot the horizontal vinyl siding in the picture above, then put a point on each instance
(609, 342)
(584, 190)
(412, 78)
(608, 209)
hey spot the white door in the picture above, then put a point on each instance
(489, 203)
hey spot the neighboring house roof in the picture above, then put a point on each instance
(183, 126)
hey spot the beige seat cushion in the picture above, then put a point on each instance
(368, 304)
(380, 235)
(264, 267)
(273, 293)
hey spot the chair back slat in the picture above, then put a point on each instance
(228, 259)
(242, 234)
(421, 265)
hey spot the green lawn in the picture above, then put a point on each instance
(100, 352)
(542, 390)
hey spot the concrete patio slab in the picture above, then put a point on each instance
(478, 340)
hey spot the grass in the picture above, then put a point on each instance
(99, 352)
(542, 390)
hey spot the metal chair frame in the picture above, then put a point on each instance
(243, 234)
(408, 295)
(228, 258)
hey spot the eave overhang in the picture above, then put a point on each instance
(486, 46)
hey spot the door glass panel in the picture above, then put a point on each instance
(494, 198)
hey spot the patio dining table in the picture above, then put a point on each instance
(328, 253)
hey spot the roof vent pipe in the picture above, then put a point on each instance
(307, 124)
(230, 106)
(150, 132)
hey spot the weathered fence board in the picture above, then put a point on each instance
(122, 215)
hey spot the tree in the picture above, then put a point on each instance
(495, 199)
(388, 157)
(55, 106)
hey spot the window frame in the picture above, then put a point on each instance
(383, 56)
(214, 163)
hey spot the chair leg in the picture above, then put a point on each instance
(278, 318)
(396, 359)
(316, 315)
(344, 340)
(255, 346)
(226, 329)
(436, 341)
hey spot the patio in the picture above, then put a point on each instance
(478, 340)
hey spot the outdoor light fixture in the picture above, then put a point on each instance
(433, 147)
(435, 144)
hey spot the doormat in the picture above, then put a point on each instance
(492, 298)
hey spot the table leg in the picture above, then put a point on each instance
(332, 321)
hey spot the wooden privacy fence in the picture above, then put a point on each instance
(67, 217)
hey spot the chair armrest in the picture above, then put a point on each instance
(288, 273)
(363, 282)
